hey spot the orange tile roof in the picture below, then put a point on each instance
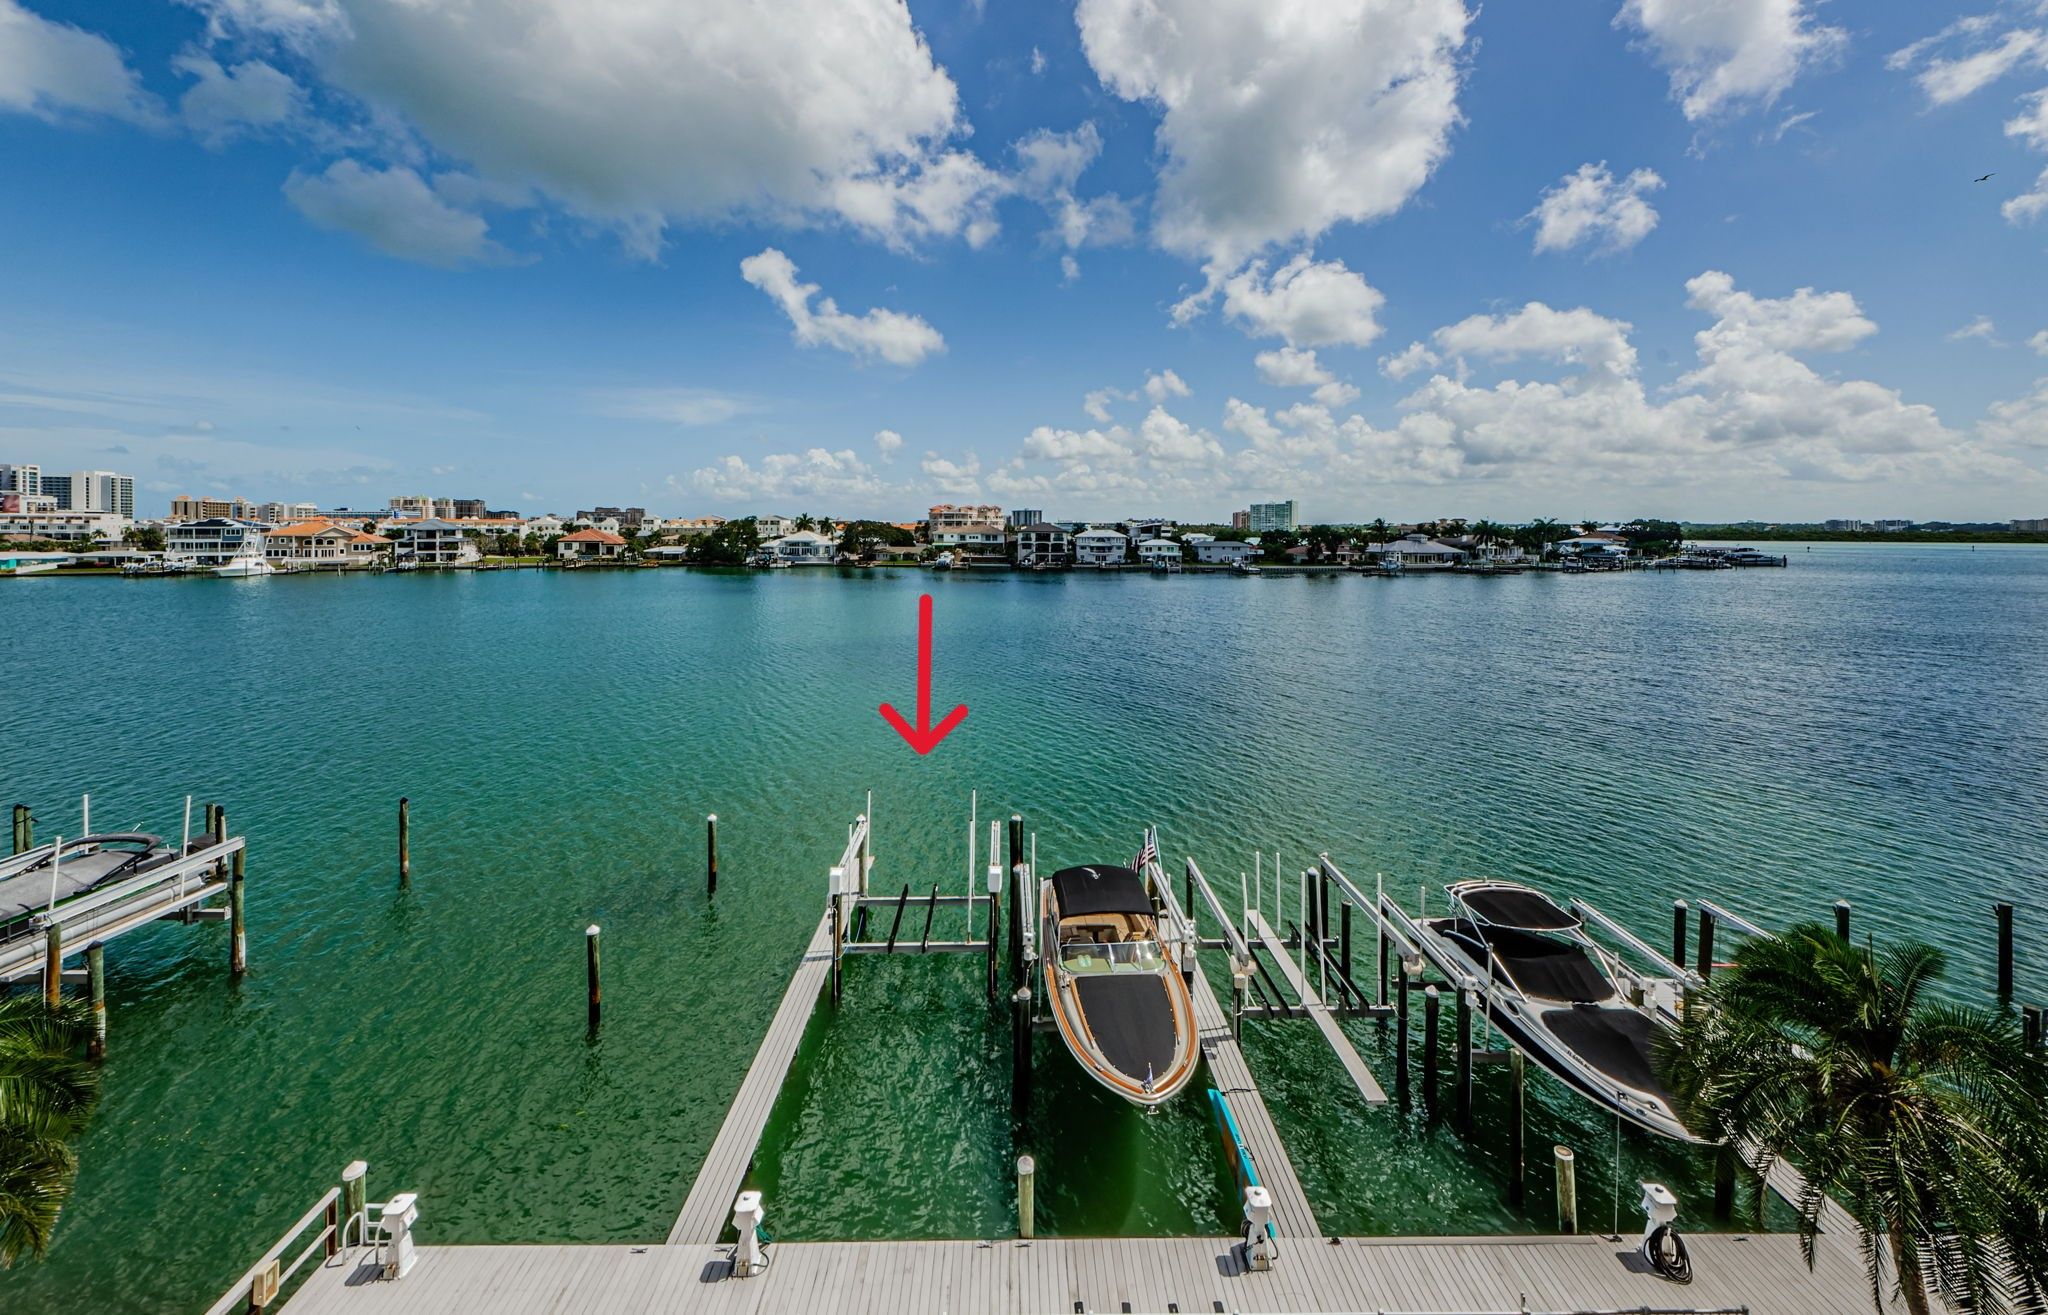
(368, 538)
(303, 529)
(592, 536)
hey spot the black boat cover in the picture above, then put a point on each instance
(1131, 1017)
(1541, 966)
(1101, 889)
(1614, 1041)
(1516, 906)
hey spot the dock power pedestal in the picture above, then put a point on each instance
(1259, 1248)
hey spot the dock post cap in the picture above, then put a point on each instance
(1562, 1153)
(591, 930)
(748, 1202)
(355, 1170)
(711, 817)
(1659, 1203)
(1025, 1164)
(1256, 1197)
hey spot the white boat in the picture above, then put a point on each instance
(244, 566)
(1561, 998)
(1244, 568)
(945, 561)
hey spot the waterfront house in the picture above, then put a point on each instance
(590, 546)
(545, 526)
(1417, 552)
(1100, 547)
(1197, 537)
(214, 541)
(972, 542)
(773, 527)
(366, 549)
(435, 542)
(1225, 552)
(946, 516)
(1140, 528)
(1159, 552)
(1042, 543)
(315, 542)
(1602, 544)
(801, 548)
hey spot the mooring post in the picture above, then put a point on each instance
(24, 829)
(354, 1201)
(711, 853)
(238, 935)
(1842, 919)
(590, 935)
(1430, 1006)
(1027, 1175)
(1401, 1092)
(1020, 1052)
(1705, 967)
(1567, 1191)
(1381, 997)
(2004, 911)
(96, 984)
(1724, 1181)
(1518, 1170)
(1678, 919)
(53, 965)
(1464, 1100)
(404, 839)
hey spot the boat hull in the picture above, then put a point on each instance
(1131, 1031)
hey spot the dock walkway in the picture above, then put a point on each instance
(1361, 1076)
(709, 1205)
(1233, 1077)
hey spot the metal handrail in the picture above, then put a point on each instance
(240, 1291)
(178, 868)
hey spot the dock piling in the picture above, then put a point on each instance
(1464, 1094)
(1020, 1052)
(1842, 919)
(53, 965)
(96, 985)
(355, 1201)
(590, 936)
(24, 829)
(238, 935)
(1705, 966)
(2004, 911)
(711, 853)
(1430, 1006)
(1567, 1191)
(1678, 918)
(2030, 1026)
(404, 839)
(1518, 1168)
(220, 837)
(1027, 1175)
(1401, 1092)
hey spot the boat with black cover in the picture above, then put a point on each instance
(47, 876)
(1561, 997)
(1114, 983)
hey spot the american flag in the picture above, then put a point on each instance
(1149, 854)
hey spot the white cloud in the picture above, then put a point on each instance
(1570, 337)
(1791, 121)
(1724, 55)
(1037, 61)
(1049, 168)
(636, 115)
(687, 407)
(888, 442)
(2039, 343)
(814, 472)
(1070, 268)
(1981, 329)
(2031, 124)
(1292, 367)
(1165, 384)
(880, 334)
(1945, 81)
(227, 102)
(1307, 302)
(1415, 356)
(1280, 120)
(395, 211)
(1588, 205)
(2029, 205)
(959, 479)
(1096, 403)
(54, 70)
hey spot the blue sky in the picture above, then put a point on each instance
(1395, 258)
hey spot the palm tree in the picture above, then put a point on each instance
(47, 1090)
(1379, 529)
(1926, 1120)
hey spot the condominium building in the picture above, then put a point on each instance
(2032, 525)
(71, 526)
(286, 513)
(187, 508)
(1026, 516)
(92, 490)
(1266, 517)
(1240, 520)
(20, 478)
(946, 516)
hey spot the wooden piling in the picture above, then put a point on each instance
(1027, 1176)
(1020, 1053)
(1464, 1093)
(220, 837)
(839, 937)
(53, 965)
(1567, 1191)
(1401, 1091)
(1678, 919)
(24, 829)
(1430, 1006)
(1724, 1181)
(1518, 1169)
(590, 935)
(354, 1201)
(711, 853)
(96, 985)
(1842, 919)
(238, 935)
(1705, 966)
(404, 839)
(2004, 911)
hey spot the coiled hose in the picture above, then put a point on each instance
(1665, 1250)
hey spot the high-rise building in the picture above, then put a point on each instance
(468, 508)
(25, 479)
(1265, 517)
(1024, 516)
(188, 508)
(1240, 520)
(2031, 525)
(92, 490)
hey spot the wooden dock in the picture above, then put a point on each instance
(1762, 1274)
(1361, 1076)
(708, 1207)
(1233, 1077)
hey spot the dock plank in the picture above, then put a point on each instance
(1233, 1077)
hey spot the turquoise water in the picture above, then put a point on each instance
(1870, 724)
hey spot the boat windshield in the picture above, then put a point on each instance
(1114, 957)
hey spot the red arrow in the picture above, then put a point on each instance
(924, 737)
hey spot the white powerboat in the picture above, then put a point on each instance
(244, 566)
(1561, 998)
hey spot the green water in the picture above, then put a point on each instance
(1869, 725)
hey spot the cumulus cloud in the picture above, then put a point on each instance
(56, 71)
(880, 334)
(888, 442)
(1165, 384)
(1415, 356)
(1309, 303)
(1049, 169)
(227, 102)
(2039, 343)
(1293, 367)
(395, 211)
(1278, 121)
(1981, 329)
(1589, 206)
(814, 472)
(632, 116)
(1096, 403)
(1726, 55)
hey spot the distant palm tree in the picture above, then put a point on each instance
(47, 1090)
(1926, 1120)
(1380, 531)
(804, 522)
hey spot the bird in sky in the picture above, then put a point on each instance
(1987, 177)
